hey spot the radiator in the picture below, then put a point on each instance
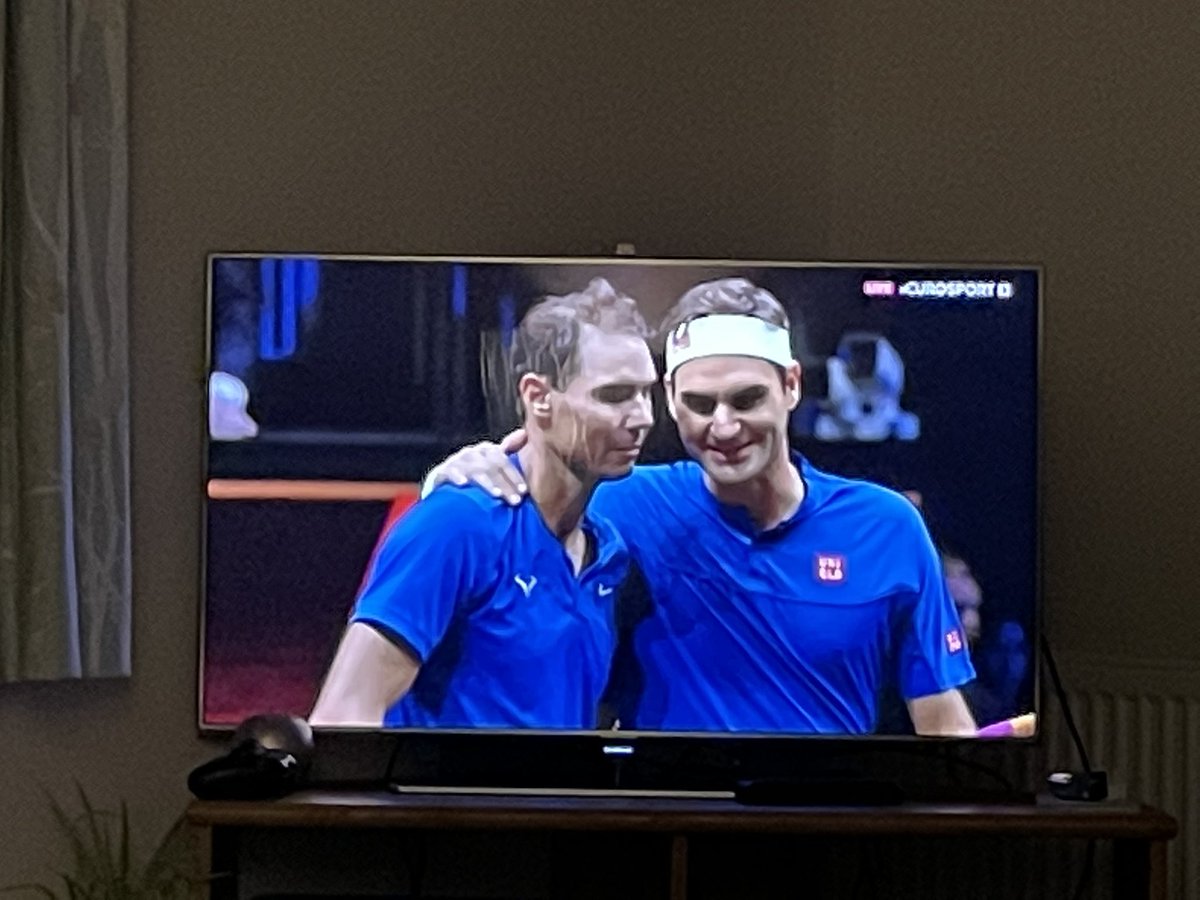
(1140, 722)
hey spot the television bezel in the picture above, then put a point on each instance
(592, 743)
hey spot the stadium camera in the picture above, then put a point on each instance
(865, 380)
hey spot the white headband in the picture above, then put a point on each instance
(728, 335)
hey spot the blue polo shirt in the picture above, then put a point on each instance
(793, 630)
(486, 597)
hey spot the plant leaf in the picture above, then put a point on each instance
(75, 889)
(70, 830)
(103, 864)
(96, 838)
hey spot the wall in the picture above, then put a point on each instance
(876, 130)
(1063, 134)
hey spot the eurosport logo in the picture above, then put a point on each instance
(950, 290)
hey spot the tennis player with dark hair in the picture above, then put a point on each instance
(480, 614)
(781, 599)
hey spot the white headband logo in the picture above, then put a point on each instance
(728, 335)
(679, 337)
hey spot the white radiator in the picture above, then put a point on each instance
(1140, 722)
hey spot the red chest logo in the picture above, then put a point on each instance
(829, 568)
(953, 641)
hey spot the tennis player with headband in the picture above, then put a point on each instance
(779, 598)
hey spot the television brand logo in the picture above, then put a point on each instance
(830, 568)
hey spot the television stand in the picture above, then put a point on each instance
(846, 792)
(1139, 833)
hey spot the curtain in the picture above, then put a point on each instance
(65, 598)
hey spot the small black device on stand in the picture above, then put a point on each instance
(1088, 784)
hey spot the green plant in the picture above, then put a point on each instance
(103, 866)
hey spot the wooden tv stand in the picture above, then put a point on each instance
(1139, 833)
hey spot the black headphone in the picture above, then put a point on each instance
(271, 757)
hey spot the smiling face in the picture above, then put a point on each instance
(732, 413)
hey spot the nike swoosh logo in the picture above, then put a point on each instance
(604, 591)
(524, 585)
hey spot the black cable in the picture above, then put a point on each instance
(1061, 693)
(951, 771)
(950, 757)
(391, 763)
(992, 771)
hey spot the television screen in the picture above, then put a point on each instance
(752, 498)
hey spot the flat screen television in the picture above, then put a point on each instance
(906, 569)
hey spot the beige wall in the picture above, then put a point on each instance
(1057, 132)
(1067, 133)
